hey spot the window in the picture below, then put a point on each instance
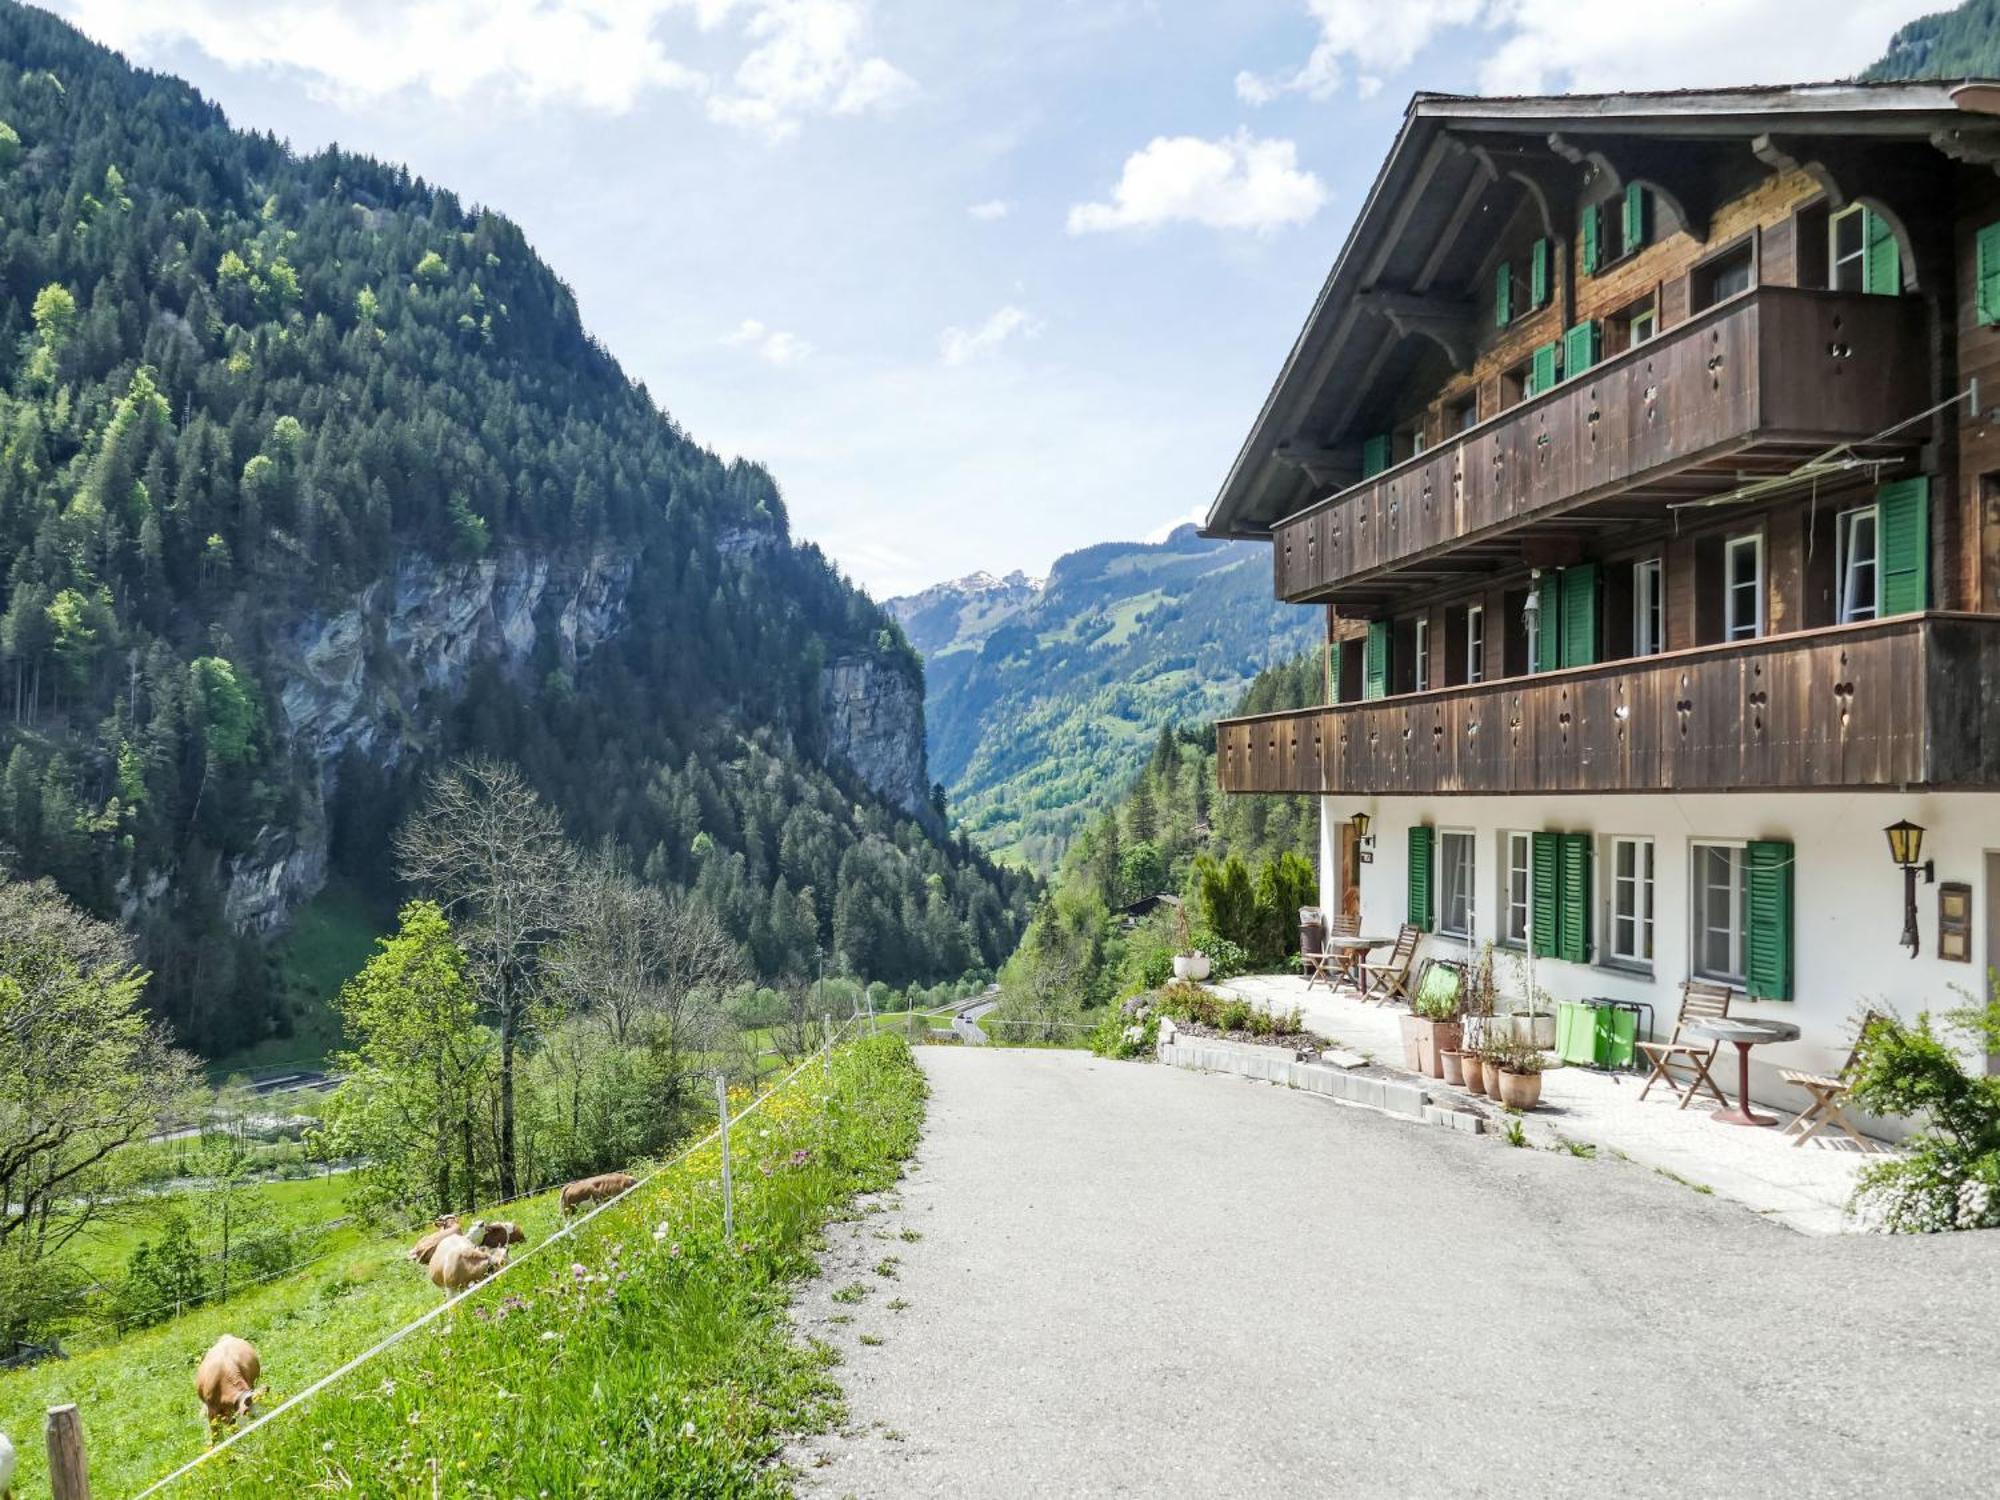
(1516, 385)
(1455, 908)
(1727, 274)
(1464, 415)
(1514, 890)
(1847, 249)
(1649, 608)
(1855, 557)
(1743, 588)
(1632, 900)
(1632, 324)
(1643, 323)
(1475, 643)
(1423, 656)
(1721, 901)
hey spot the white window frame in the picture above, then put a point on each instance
(1641, 886)
(1475, 643)
(1649, 607)
(1644, 325)
(1468, 843)
(1846, 610)
(1732, 627)
(1423, 655)
(1739, 899)
(1858, 257)
(1515, 842)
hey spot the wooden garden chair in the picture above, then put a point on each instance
(1383, 982)
(1827, 1090)
(1700, 1001)
(1315, 964)
(1340, 966)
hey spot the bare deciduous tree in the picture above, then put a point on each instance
(493, 855)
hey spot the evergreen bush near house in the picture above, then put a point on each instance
(1949, 1175)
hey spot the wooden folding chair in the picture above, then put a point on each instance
(1316, 963)
(1343, 965)
(1700, 1001)
(1827, 1091)
(1383, 982)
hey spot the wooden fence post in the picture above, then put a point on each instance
(69, 1477)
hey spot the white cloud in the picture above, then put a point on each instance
(772, 345)
(1238, 182)
(805, 57)
(1194, 517)
(991, 209)
(1549, 46)
(960, 346)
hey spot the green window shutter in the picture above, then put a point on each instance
(1421, 838)
(1375, 666)
(1542, 373)
(1580, 348)
(1579, 615)
(1767, 959)
(1548, 628)
(1905, 530)
(1882, 264)
(1374, 456)
(1503, 294)
(1573, 898)
(1635, 217)
(1588, 231)
(1988, 245)
(1544, 882)
(1538, 273)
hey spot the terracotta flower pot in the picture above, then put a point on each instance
(1433, 1039)
(1520, 1090)
(1412, 1028)
(1454, 1070)
(1473, 1066)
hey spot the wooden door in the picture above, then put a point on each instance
(1347, 880)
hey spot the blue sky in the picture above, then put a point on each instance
(982, 281)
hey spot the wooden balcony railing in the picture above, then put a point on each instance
(1912, 701)
(1759, 382)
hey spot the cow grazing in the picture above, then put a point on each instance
(595, 1190)
(6, 1468)
(420, 1252)
(227, 1380)
(497, 1235)
(457, 1263)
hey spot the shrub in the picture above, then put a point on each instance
(1235, 1015)
(1225, 959)
(1950, 1176)
(163, 1277)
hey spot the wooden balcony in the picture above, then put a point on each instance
(1912, 701)
(1752, 386)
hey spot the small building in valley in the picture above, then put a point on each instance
(1643, 452)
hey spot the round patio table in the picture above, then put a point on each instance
(1745, 1034)
(1353, 953)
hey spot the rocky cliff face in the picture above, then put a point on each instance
(875, 723)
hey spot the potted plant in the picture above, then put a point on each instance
(1472, 1067)
(1190, 963)
(1454, 1066)
(1434, 1012)
(1520, 1076)
(1476, 1019)
(1534, 1019)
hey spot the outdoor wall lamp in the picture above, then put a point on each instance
(1360, 825)
(1906, 847)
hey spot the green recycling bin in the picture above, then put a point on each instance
(1596, 1033)
(1576, 1033)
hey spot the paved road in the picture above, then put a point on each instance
(1133, 1280)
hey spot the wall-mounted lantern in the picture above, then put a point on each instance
(1359, 822)
(1906, 848)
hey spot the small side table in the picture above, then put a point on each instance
(1745, 1034)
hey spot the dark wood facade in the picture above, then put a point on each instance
(1898, 703)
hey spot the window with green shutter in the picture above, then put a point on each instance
(1905, 544)
(1538, 274)
(1375, 456)
(1544, 876)
(1548, 624)
(1635, 217)
(1581, 345)
(1882, 269)
(1422, 838)
(1767, 942)
(1579, 615)
(1542, 370)
(1589, 230)
(1375, 664)
(1503, 294)
(1573, 898)
(1987, 248)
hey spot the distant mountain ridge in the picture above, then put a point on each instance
(1961, 43)
(1045, 698)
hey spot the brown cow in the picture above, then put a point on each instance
(227, 1380)
(457, 1263)
(497, 1235)
(420, 1252)
(595, 1190)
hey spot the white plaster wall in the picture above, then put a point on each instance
(1848, 898)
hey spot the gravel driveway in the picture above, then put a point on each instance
(1122, 1279)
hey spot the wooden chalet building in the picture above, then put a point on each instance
(1643, 452)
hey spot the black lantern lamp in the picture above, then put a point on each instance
(1906, 847)
(1360, 824)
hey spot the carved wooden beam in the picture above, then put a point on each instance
(1448, 323)
(1979, 148)
(1907, 184)
(1684, 174)
(1321, 465)
(1553, 184)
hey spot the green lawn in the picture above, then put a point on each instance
(288, 1204)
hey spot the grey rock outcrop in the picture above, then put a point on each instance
(875, 723)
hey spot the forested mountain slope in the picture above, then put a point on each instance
(1961, 43)
(1045, 700)
(310, 477)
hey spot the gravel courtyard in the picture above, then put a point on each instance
(1122, 1279)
